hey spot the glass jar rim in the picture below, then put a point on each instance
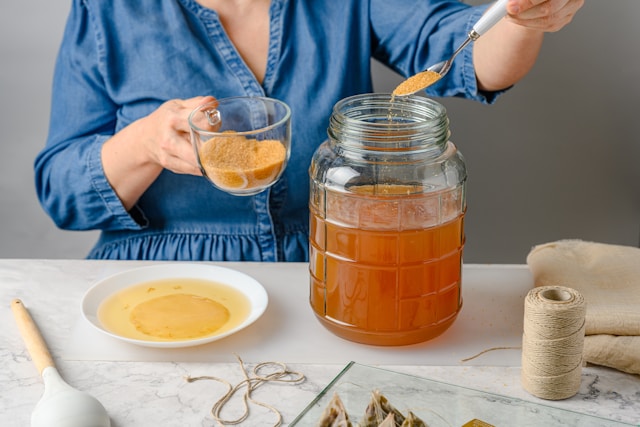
(376, 119)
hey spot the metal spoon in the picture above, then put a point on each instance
(426, 78)
(61, 405)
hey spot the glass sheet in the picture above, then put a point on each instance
(437, 404)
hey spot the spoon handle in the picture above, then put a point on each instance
(31, 335)
(497, 11)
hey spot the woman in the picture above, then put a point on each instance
(118, 156)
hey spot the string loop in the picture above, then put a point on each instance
(276, 372)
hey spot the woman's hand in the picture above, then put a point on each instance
(543, 15)
(134, 157)
(167, 136)
(507, 52)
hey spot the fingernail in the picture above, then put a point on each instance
(513, 7)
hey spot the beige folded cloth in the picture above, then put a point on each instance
(608, 276)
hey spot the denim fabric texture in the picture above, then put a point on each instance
(121, 59)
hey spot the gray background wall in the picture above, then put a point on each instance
(558, 156)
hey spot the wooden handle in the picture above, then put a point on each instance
(31, 335)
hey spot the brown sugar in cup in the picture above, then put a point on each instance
(242, 144)
(235, 162)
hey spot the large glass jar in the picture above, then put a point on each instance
(387, 204)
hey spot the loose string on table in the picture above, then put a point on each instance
(488, 350)
(553, 342)
(282, 374)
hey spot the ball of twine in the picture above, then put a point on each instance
(553, 341)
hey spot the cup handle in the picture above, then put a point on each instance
(213, 118)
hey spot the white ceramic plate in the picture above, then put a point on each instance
(102, 290)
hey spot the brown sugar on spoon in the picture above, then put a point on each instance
(415, 83)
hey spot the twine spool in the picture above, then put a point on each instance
(553, 341)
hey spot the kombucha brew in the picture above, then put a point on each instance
(386, 262)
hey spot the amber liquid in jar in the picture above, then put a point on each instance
(387, 204)
(379, 275)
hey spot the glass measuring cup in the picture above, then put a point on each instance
(242, 143)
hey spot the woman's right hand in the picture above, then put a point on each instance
(134, 157)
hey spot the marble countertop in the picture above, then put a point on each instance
(145, 393)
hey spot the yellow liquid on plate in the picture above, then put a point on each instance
(174, 310)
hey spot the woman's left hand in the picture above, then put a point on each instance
(543, 15)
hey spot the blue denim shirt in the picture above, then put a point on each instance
(120, 59)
